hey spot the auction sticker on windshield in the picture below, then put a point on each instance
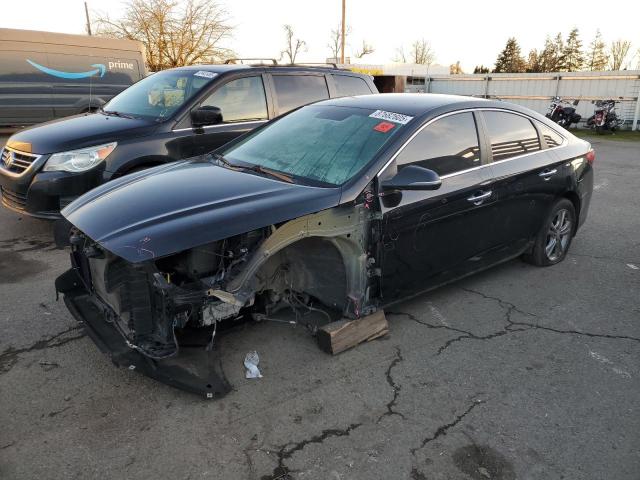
(205, 74)
(391, 116)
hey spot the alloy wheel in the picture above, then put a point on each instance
(558, 235)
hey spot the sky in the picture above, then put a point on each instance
(470, 31)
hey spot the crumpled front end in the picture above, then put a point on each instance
(134, 316)
(161, 316)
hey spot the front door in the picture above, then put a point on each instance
(430, 237)
(244, 107)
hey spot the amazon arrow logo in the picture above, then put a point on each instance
(100, 69)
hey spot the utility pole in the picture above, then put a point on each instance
(86, 12)
(343, 30)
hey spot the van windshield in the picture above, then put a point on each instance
(324, 145)
(159, 95)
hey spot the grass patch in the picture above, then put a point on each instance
(624, 135)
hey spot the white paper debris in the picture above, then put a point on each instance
(632, 266)
(251, 361)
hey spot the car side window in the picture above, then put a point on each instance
(240, 100)
(347, 86)
(510, 135)
(446, 146)
(296, 90)
(550, 137)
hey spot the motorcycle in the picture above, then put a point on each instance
(604, 116)
(563, 112)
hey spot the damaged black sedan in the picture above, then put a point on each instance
(341, 207)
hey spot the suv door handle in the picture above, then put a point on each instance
(546, 174)
(478, 199)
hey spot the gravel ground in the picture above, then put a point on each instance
(516, 373)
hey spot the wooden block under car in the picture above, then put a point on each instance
(339, 336)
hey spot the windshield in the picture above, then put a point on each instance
(159, 95)
(325, 144)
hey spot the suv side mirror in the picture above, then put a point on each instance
(413, 177)
(206, 115)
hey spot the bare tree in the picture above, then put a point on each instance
(335, 41)
(618, 53)
(174, 34)
(422, 53)
(294, 46)
(400, 56)
(366, 49)
(455, 68)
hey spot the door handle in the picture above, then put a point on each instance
(546, 174)
(478, 199)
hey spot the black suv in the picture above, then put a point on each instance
(169, 115)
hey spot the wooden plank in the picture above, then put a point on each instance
(339, 336)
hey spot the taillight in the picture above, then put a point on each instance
(590, 156)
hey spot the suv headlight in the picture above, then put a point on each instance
(79, 160)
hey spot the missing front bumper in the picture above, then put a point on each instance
(194, 369)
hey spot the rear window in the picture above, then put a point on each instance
(511, 135)
(296, 90)
(347, 86)
(550, 137)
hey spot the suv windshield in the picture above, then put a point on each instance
(160, 94)
(325, 144)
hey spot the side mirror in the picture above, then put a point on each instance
(413, 177)
(206, 115)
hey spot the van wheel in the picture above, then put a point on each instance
(553, 241)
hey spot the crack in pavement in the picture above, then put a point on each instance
(282, 471)
(443, 429)
(513, 308)
(9, 357)
(395, 387)
(511, 326)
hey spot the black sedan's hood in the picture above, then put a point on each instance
(79, 131)
(175, 207)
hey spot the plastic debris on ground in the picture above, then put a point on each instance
(251, 361)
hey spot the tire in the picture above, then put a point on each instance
(554, 239)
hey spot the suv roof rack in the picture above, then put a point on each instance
(231, 61)
(317, 64)
(272, 62)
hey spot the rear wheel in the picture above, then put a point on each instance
(553, 241)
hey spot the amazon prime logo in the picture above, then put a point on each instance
(99, 69)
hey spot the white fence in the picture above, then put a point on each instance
(535, 90)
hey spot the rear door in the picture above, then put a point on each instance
(430, 237)
(527, 176)
(291, 90)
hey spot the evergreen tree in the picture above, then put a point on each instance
(510, 59)
(533, 62)
(572, 56)
(597, 57)
(559, 49)
(480, 69)
(549, 59)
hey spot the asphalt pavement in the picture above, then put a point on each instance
(515, 373)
